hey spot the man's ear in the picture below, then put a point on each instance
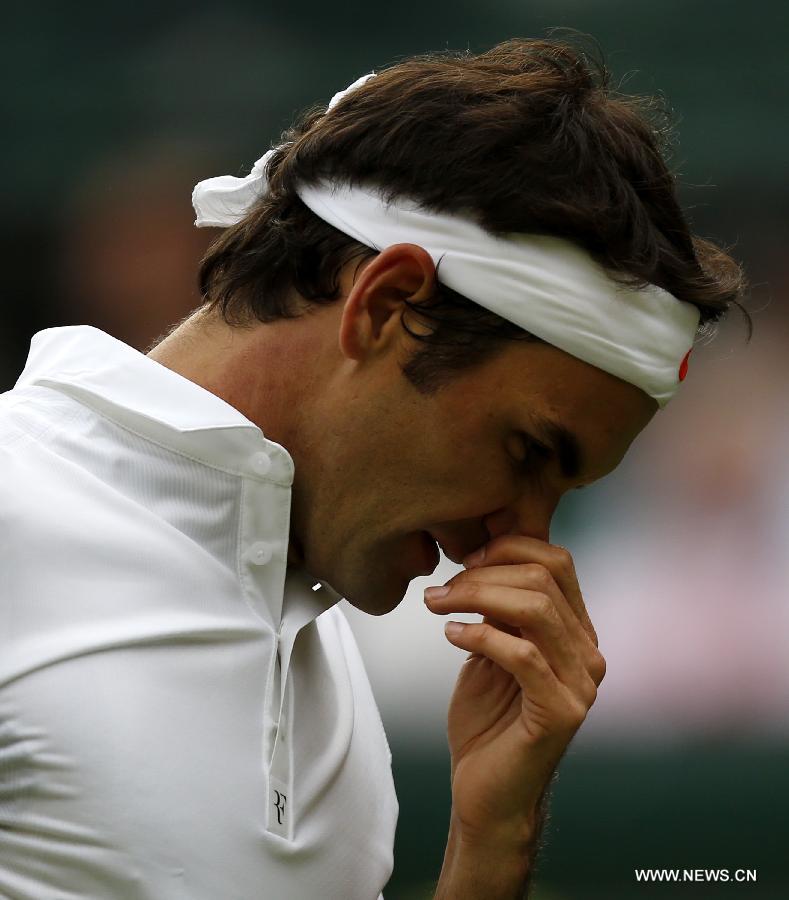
(370, 323)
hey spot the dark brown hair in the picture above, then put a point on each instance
(527, 137)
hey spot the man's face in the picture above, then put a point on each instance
(395, 472)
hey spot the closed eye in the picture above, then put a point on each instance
(534, 455)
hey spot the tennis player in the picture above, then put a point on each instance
(438, 305)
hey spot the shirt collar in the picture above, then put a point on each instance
(151, 400)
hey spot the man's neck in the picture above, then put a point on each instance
(249, 368)
(241, 365)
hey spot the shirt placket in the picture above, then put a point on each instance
(304, 600)
(286, 600)
(264, 528)
(280, 805)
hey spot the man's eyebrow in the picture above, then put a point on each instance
(564, 443)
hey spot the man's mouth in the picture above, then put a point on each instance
(430, 553)
(455, 544)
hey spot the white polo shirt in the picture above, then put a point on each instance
(181, 717)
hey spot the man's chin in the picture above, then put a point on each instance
(381, 590)
(375, 610)
(380, 600)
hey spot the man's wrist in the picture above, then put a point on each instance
(494, 866)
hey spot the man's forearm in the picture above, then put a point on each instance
(479, 874)
(497, 869)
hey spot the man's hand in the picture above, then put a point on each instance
(523, 692)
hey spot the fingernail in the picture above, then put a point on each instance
(433, 593)
(475, 558)
(453, 629)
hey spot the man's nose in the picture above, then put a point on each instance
(531, 518)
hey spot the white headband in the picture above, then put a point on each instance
(546, 285)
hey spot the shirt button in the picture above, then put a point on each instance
(261, 463)
(260, 553)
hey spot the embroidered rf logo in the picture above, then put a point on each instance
(279, 804)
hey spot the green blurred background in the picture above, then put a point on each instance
(113, 111)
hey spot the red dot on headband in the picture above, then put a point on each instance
(683, 366)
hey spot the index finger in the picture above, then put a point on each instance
(513, 549)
